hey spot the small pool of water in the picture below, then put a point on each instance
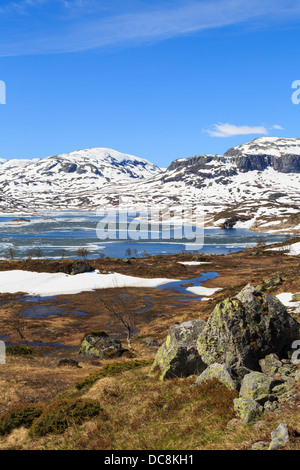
(44, 311)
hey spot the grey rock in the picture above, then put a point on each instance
(101, 346)
(261, 445)
(270, 364)
(151, 342)
(270, 406)
(256, 385)
(244, 329)
(280, 437)
(79, 267)
(221, 372)
(178, 355)
(247, 410)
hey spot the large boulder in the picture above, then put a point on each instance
(244, 329)
(178, 356)
(99, 344)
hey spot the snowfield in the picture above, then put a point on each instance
(49, 284)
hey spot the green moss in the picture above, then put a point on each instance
(110, 370)
(19, 415)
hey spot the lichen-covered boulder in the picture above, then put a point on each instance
(244, 329)
(247, 410)
(178, 355)
(221, 372)
(99, 344)
(256, 385)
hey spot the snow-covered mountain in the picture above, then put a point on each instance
(67, 179)
(255, 185)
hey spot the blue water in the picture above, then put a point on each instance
(64, 233)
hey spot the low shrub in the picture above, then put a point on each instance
(110, 370)
(19, 415)
(62, 413)
(19, 350)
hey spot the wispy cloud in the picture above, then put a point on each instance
(98, 25)
(230, 130)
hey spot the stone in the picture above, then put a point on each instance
(223, 373)
(261, 445)
(178, 355)
(151, 342)
(256, 385)
(79, 267)
(100, 345)
(270, 406)
(270, 364)
(247, 410)
(246, 328)
(280, 437)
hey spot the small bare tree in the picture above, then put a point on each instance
(10, 254)
(63, 253)
(15, 323)
(122, 307)
(82, 252)
(34, 253)
(261, 243)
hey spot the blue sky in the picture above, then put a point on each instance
(161, 79)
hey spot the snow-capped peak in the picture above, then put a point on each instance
(271, 146)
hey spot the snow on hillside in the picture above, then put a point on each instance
(255, 185)
(273, 146)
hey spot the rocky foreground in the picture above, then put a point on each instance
(249, 343)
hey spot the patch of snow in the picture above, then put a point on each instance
(193, 263)
(49, 284)
(201, 290)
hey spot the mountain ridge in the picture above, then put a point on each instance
(250, 187)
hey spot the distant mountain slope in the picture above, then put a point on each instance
(255, 185)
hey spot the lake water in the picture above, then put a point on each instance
(66, 232)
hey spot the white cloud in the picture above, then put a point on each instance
(276, 126)
(230, 130)
(124, 23)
